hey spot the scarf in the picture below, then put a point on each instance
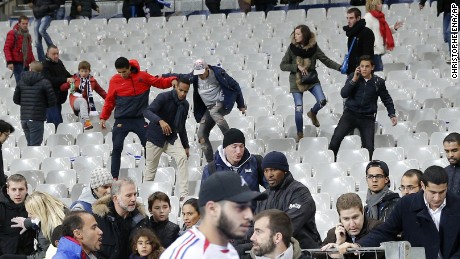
(301, 52)
(373, 199)
(385, 31)
(181, 113)
(25, 45)
(85, 85)
(357, 28)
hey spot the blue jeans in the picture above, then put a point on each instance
(378, 64)
(53, 115)
(33, 130)
(60, 13)
(292, 6)
(41, 25)
(18, 68)
(318, 93)
(120, 130)
(446, 28)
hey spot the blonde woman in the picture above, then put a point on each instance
(45, 214)
(383, 33)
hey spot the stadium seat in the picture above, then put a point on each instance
(338, 185)
(389, 154)
(24, 165)
(322, 201)
(430, 126)
(409, 141)
(33, 177)
(57, 190)
(60, 139)
(283, 144)
(67, 177)
(147, 188)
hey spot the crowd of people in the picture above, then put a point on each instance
(249, 205)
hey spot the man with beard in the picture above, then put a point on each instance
(18, 48)
(80, 236)
(452, 150)
(225, 208)
(362, 36)
(117, 215)
(272, 237)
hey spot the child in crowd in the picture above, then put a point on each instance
(190, 214)
(145, 245)
(160, 207)
(81, 93)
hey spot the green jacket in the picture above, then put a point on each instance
(289, 63)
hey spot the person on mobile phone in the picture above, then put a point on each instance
(362, 90)
(353, 225)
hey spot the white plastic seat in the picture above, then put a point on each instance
(133, 173)
(55, 163)
(148, 188)
(92, 138)
(65, 151)
(267, 133)
(33, 177)
(430, 126)
(423, 93)
(398, 168)
(296, 16)
(102, 150)
(358, 170)
(38, 152)
(322, 201)
(442, 162)
(83, 165)
(301, 170)
(310, 183)
(389, 154)
(60, 139)
(322, 171)
(67, 177)
(312, 143)
(418, 115)
(166, 174)
(436, 103)
(24, 164)
(351, 142)
(424, 153)
(351, 156)
(283, 144)
(315, 156)
(57, 190)
(384, 140)
(409, 141)
(337, 186)
(449, 114)
(404, 127)
(255, 146)
(326, 219)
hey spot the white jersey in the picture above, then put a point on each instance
(194, 245)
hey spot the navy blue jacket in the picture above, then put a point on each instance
(230, 89)
(164, 108)
(411, 217)
(248, 168)
(362, 96)
(453, 172)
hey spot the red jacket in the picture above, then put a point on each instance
(13, 48)
(94, 86)
(130, 96)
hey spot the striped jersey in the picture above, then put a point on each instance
(194, 245)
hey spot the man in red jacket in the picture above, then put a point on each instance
(129, 95)
(18, 48)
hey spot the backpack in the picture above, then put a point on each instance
(260, 172)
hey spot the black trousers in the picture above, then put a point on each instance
(213, 6)
(350, 121)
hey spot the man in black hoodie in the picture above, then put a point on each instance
(5, 130)
(34, 94)
(12, 199)
(362, 36)
(55, 71)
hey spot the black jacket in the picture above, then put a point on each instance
(3, 177)
(362, 96)
(57, 74)
(11, 242)
(86, 8)
(117, 230)
(295, 199)
(164, 108)
(368, 225)
(385, 206)
(166, 231)
(411, 217)
(34, 94)
(364, 43)
(453, 172)
(42, 8)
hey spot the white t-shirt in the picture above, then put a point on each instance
(209, 89)
(193, 245)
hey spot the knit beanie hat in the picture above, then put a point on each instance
(233, 136)
(275, 160)
(100, 177)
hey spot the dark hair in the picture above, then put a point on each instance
(355, 11)
(192, 202)
(306, 32)
(84, 65)
(158, 196)
(278, 222)
(412, 172)
(184, 80)
(22, 18)
(452, 137)
(435, 175)
(366, 58)
(52, 46)
(73, 221)
(121, 62)
(56, 235)
(17, 178)
(6, 127)
(157, 249)
(347, 201)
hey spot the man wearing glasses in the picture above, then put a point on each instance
(5, 130)
(410, 182)
(380, 200)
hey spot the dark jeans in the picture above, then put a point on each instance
(60, 13)
(213, 6)
(18, 68)
(33, 130)
(53, 115)
(155, 9)
(265, 7)
(350, 121)
(120, 130)
(378, 63)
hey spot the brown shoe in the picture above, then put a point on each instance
(313, 118)
(299, 136)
